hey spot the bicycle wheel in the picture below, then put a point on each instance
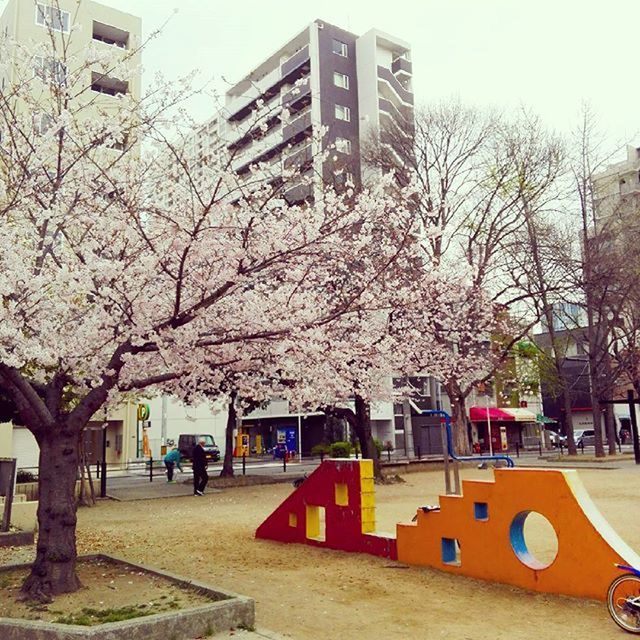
(623, 602)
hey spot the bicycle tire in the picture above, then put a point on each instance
(616, 610)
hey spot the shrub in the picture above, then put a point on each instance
(25, 476)
(320, 449)
(378, 446)
(341, 450)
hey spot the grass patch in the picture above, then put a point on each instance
(88, 616)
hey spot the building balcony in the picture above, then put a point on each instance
(298, 97)
(299, 159)
(401, 68)
(289, 72)
(402, 115)
(294, 131)
(385, 74)
(299, 193)
(297, 60)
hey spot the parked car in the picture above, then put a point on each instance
(584, 437)
(556, 439)
(187, 441)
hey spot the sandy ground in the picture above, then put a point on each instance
(307, 593)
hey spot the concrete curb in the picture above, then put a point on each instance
(229, 610)
(16, 538)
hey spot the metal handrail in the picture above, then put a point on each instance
(451, 452)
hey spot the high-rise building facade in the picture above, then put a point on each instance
(80, 26)
(616, 190)
(327, 80)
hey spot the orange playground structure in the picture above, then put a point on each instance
(479, 533)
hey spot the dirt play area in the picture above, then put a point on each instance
(307, 593)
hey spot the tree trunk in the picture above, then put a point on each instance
(610, 423)
(232, 417)
(54, 569)
(596, 411)
(460, 433)
(568, 419)
(363, 431)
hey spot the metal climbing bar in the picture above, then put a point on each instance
(452, 454)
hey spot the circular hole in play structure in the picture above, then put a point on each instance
(533, 539)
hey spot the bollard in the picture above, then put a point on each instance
(103, 480)
(150, 469)
(517, 449)
(388, 455)
(284, 462)
(356, 453)
(582, 446)
(418, 452)
(98, 469)
(540, 448)
(244, 464)
(619, 447)
(321, 457)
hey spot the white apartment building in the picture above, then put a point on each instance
(617, 189)
(327, 79)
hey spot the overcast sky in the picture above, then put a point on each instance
(549, 55)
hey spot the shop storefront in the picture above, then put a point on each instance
(500, 429)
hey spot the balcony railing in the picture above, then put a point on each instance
(296, 60)
(298, 93)
(403, 115)
(401, 66)
(295, 128)
(385, 74)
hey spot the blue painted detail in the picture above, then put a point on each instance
(516, 536)
(447, 421)
(626, 567)
(481, 510)
(449, 555)
(519, 545)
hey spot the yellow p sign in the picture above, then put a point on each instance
(143, 412)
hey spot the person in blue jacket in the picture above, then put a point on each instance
(172, 460)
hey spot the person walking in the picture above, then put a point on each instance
(199, 464)
(171, 461)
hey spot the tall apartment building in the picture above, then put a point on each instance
(81, 24)
(617, 189)
(326, 78)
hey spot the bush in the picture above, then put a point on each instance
(341, 450)
(25, 476)
(378, 445)
(320, 449)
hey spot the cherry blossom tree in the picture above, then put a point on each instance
(115, 279)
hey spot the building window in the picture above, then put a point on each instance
(343, 113)
(340, 80)
(340, 48)
(343, 145)
(50, 70)
(52, 18)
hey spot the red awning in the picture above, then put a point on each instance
(479, 414)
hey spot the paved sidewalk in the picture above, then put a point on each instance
(138, 487)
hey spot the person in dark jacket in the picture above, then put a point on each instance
(199, 464)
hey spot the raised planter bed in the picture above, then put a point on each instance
(212, 610)
(16, 538)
